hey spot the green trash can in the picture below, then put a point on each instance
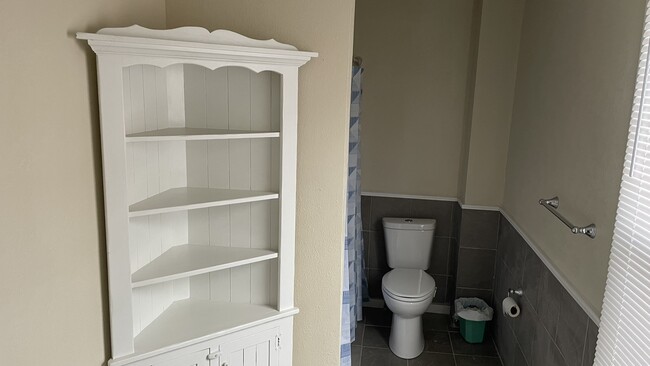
(473, 314)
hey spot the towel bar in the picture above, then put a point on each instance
(553, 203)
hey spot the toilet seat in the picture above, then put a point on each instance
(408, 284)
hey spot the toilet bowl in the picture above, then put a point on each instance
(407, 293)
(407, 289)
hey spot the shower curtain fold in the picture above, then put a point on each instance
(354, 280)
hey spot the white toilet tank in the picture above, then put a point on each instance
(408, 242)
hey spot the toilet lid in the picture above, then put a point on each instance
(410, 283)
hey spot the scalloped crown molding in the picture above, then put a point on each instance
(196, 34)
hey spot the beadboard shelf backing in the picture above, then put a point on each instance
(178, 199)
(191, 260)
(190, 134)
(191, 321)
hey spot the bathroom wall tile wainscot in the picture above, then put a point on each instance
(552, 330)
(476, 253)
(443, 262)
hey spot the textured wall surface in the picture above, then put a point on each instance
(52, 255)
(415, 56)
(571, 114)
(324, 98)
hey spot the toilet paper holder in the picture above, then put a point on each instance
(518, 292)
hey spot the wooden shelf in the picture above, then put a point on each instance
(192, 321)
(188, 134)
(191, 260)
(179, 199)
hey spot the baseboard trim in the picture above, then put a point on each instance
(433, 308)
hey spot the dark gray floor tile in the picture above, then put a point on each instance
(432, 321)
(433, 359)
(590, 345)
(437, 341)
(388, 207)
(478, 361)
(571, 330)
(441, 211)
(461, 347)
(376, 337)
(377, 316)
(358, 335)
(380, 357)
(356, 355)
(440, 256)
(475, 268)
(479, 229)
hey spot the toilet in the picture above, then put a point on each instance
(408, 290)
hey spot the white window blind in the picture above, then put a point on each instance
(624, 336)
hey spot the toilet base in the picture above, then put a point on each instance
(406, 337)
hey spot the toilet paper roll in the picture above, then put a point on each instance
(510, 307)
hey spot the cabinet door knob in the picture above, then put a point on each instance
(224, 364)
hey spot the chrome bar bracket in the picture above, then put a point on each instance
(552, 205)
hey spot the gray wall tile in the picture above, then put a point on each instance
(479, 229)
(590, 344)
(552, 329)
(571, 330)
(387, 207)
(439, 256)
(475, 268)
(377, 251)
(456, 216)
(442, 286)
(485, 295)
(441, 211)
(366, 206)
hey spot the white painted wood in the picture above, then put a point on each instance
(186, 134)
(191, 260)
(196, 34)
(288, 188)
(199, 146)
(115, 205)
(177, 199)
(199, 358)
(189, 321)
(256, 350)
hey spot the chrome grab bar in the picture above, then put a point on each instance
(553, 203)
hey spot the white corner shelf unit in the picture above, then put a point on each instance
(198, 134)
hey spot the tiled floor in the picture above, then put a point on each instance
(444, 347)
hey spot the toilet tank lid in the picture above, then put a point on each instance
(404, 223)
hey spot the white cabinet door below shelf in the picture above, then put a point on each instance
(199, 358)
(257, 350)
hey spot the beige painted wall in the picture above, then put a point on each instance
(493, 96)
(325, 27)
(52, 255)
(573, 97)
(415, 55)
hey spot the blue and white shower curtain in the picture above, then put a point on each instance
(353, 278)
